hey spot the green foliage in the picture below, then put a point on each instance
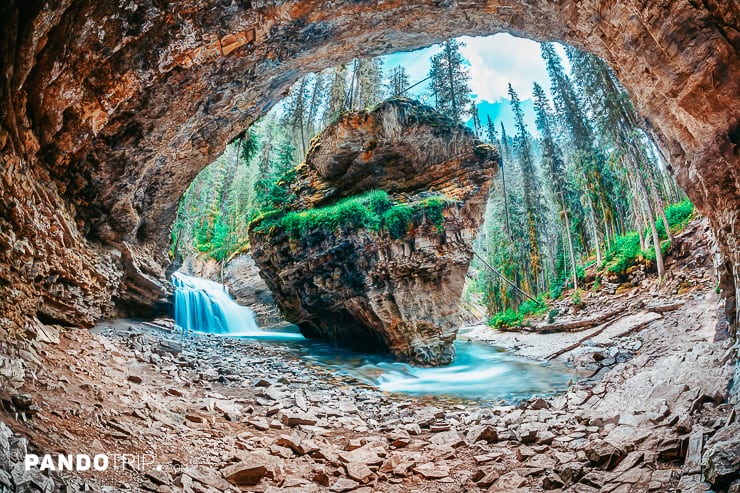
(432, 207)
(626, 251)
(397, 220)
(510, 318)
(372, 210)
(506, 319)
(678, 215)
(575, 298)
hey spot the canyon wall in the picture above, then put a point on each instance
(108, 109)
(373, 248)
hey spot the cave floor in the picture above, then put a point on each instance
(195, 409)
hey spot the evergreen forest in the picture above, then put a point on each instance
(584, 196)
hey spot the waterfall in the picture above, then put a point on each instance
(205, 306)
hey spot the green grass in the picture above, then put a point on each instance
(373, 210)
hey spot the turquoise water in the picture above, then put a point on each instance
(480, 371)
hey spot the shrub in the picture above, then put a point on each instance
(397, 219)
(432, 208)
(678, 215)
(506, 318)
(515, 318)
(623, 253)
(372, 210)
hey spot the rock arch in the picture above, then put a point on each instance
(109, 109)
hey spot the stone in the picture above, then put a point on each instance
(344, 484)
(552, 481)
(508, 482)
(363, 455)
(359, 472)
(486, 433)
(207, 476)
(431, 470)
(295, 417)
(158, 477)
(570, 472)
(721, 458)
(450, 438)
(417, 319)
(247, 472)
(603, 453)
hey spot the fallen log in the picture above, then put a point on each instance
(592, 335)
(576, 325)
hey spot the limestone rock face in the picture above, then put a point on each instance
(109, 109)
(382, 288)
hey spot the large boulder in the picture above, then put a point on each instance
(721, 458)
(372, 249)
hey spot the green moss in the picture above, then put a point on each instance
(397, 220)
(372, 210)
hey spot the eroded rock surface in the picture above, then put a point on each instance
(396, 286)
(110, 110)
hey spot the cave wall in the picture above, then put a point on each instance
(109, 108)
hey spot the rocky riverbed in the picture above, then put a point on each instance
(230, 415)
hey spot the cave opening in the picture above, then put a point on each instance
(109, 110)
(581, 165)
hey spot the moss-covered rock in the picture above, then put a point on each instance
(372, 248)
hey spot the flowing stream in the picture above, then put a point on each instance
(480, 371)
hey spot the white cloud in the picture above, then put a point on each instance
(495, 61)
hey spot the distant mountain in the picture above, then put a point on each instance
(500, 111)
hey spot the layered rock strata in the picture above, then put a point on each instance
(108, 110)
(382, 270)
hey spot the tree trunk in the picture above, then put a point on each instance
(651, 221)
(566, 218)
(453, 98)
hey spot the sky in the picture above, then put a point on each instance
(495, 61)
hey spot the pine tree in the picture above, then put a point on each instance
(552, 161)
(530, 189)
(449, 81)
(398, 81)
(337, 99)
(618, 125)
(593, 177)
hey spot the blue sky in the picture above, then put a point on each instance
(494, 62)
